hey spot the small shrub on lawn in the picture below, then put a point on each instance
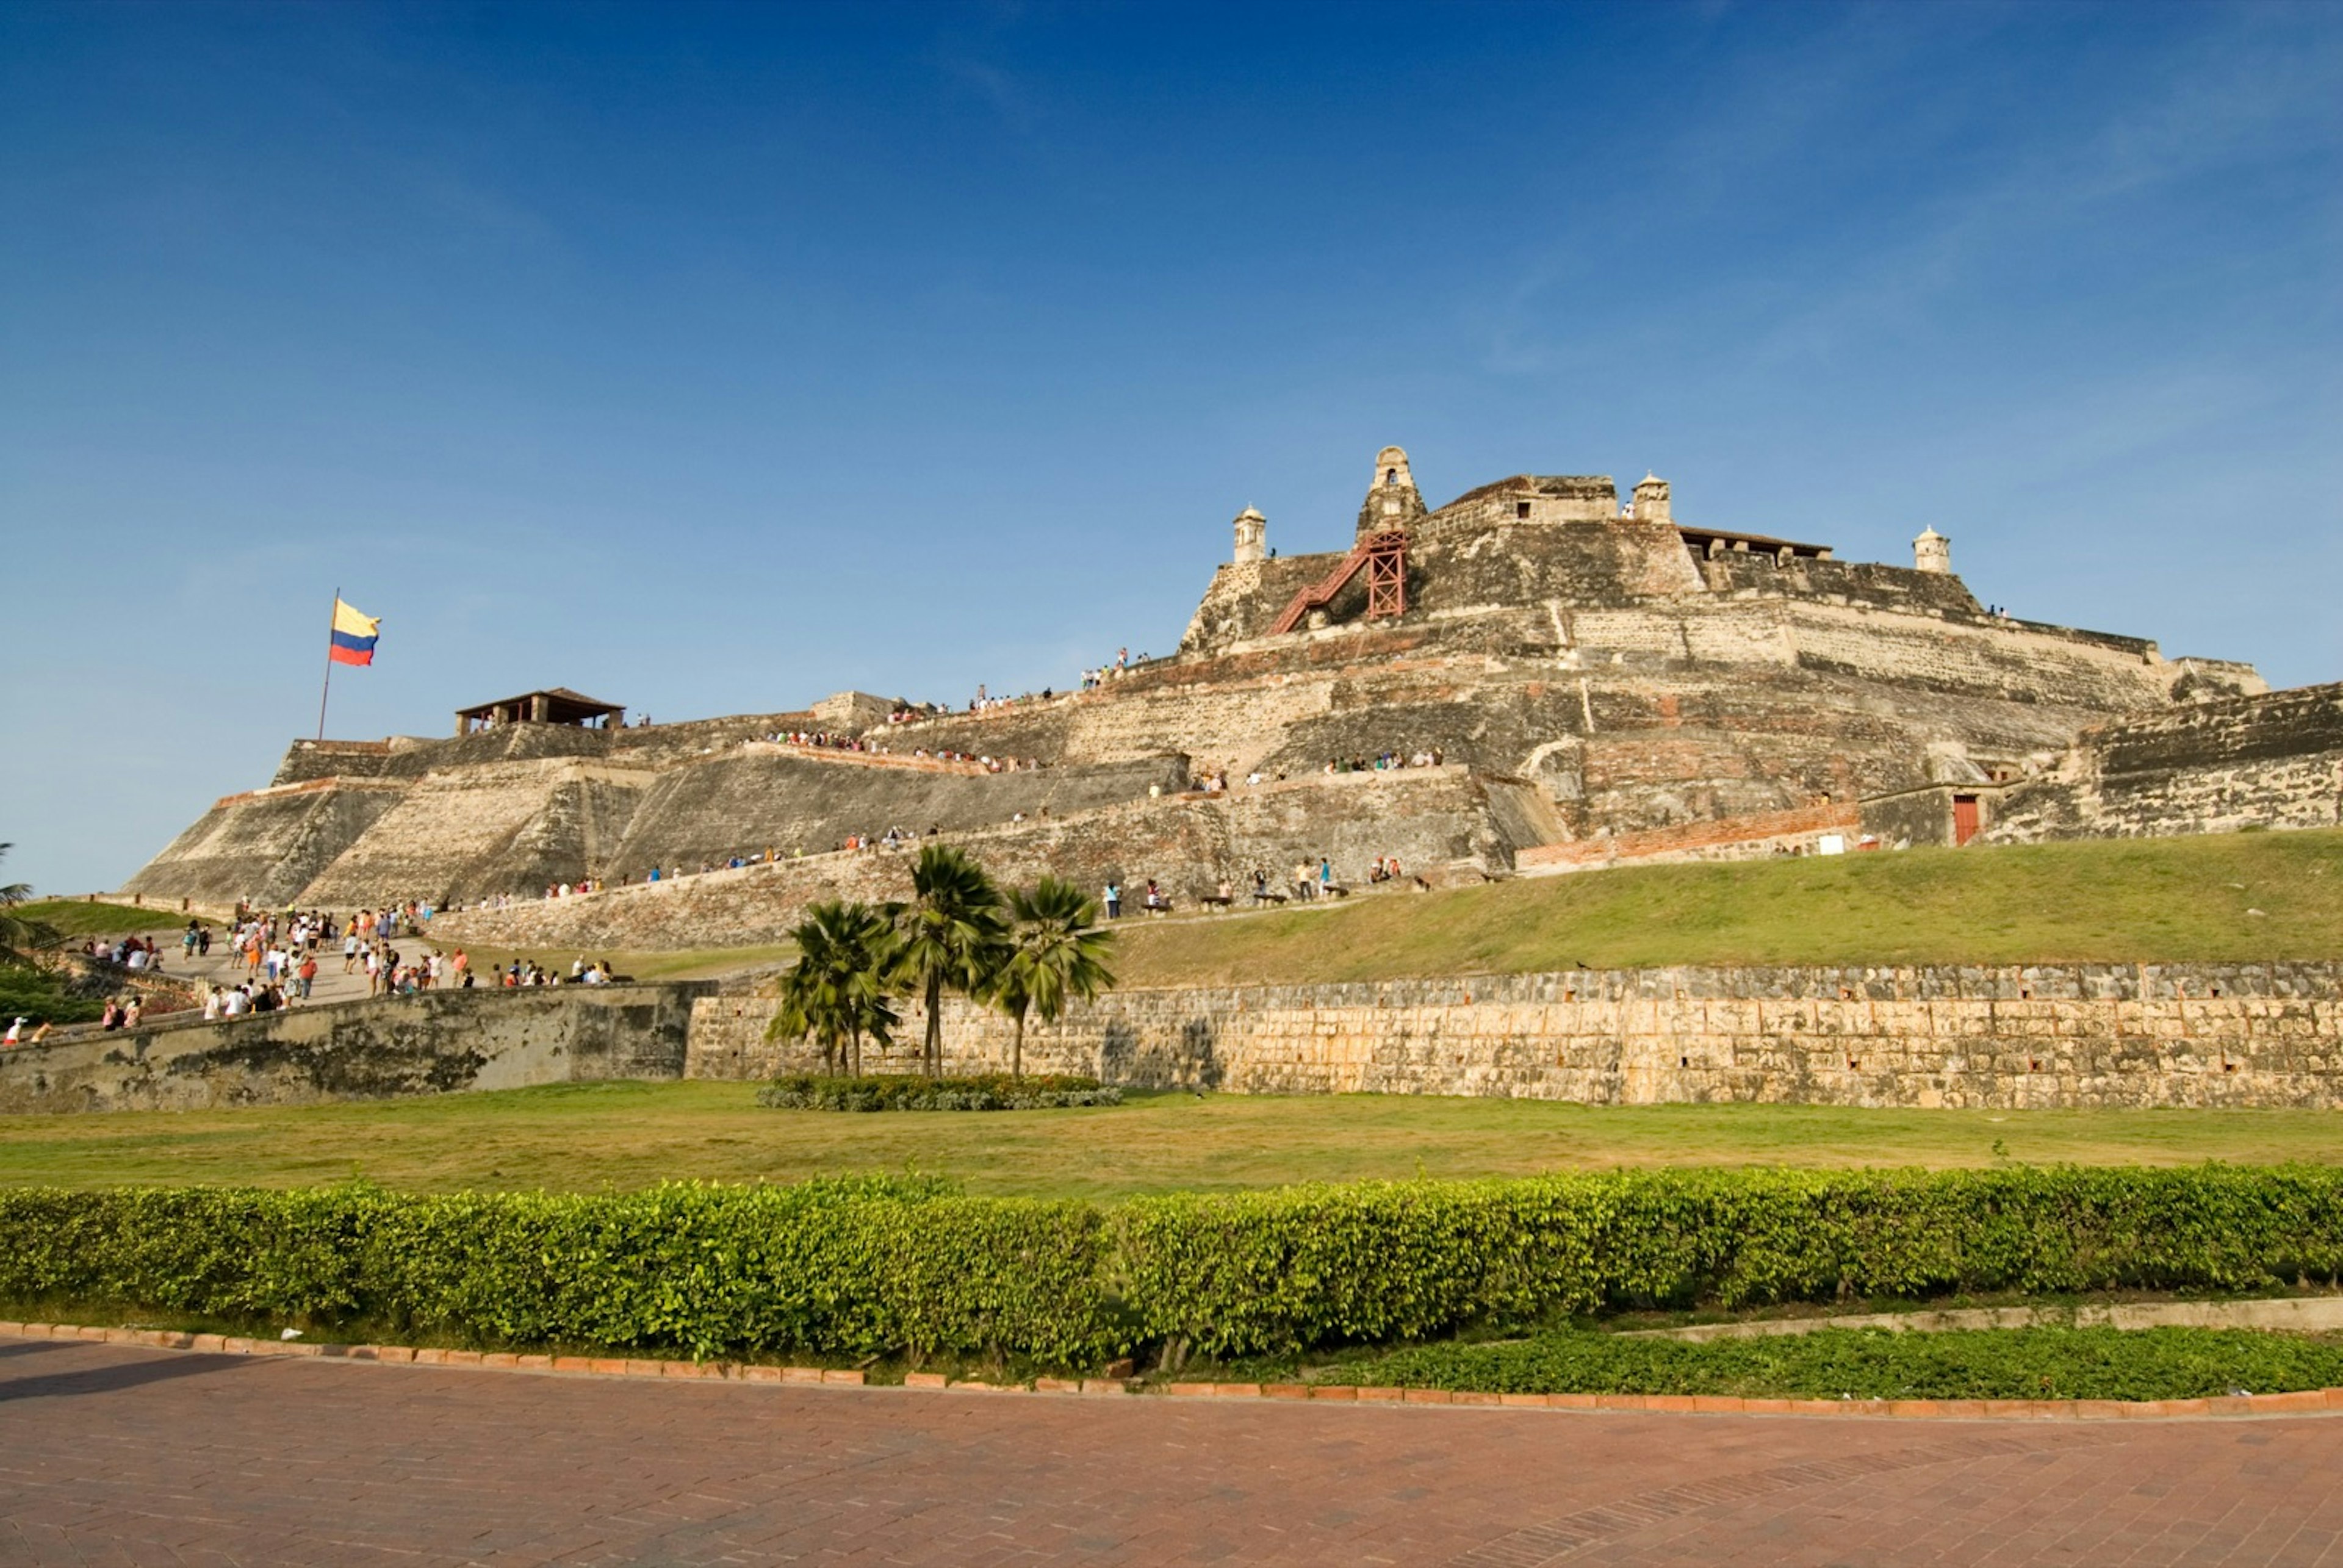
(2056, 1364)
(911, 1091)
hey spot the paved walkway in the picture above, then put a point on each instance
(116, 1455)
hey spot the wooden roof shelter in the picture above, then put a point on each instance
(554, 705)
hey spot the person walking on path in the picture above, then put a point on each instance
(1113, 899)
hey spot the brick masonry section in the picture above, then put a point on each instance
(2022, 1038)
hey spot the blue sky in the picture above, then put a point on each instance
(713, 358)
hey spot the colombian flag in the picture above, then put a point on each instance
(354, 634)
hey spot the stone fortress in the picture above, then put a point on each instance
(1600, 682)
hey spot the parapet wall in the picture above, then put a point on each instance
(2006, 1038)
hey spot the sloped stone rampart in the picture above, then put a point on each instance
(1425, 817)
(487, 829)
(265, 845)
(2006, 1038)
(751, 798)
(377, 1049)
(2274, 760)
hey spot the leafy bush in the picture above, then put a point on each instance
(1245, 1273)
(43, 994)
(866, 1266)
(911, 1092)
(858, 1266)
(1872, 1364)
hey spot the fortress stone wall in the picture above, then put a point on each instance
(2266, 761)
(2235, 1036)
(1434, 817)
(2000, 1038)
(435, 1043)
(1602, 672)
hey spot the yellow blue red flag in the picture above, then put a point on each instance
(355, 635)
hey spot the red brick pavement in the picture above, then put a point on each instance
(116, 1455)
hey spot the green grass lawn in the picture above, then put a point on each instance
(691, 963)
(76, 917)
(2109, 900)
(617, 1136)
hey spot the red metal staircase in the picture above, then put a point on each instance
(1382, 557)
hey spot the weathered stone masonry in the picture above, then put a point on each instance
(2030, 1038)
(1639, 674)
(381, 1050)
(2036, 1038)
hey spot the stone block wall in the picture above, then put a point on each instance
(308, 761)
(1427, 817)
(427, 1044)
(752, 798)
(493, 828)
(1731, 839)
(2006, 1038)
(265, 845)
(2274, 760)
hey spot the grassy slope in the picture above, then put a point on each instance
(2119, 900)
(616, 1136)
(690, 963)
(77, 918)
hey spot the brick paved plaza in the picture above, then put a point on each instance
(111, 1454)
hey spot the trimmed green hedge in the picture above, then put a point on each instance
(1286, 1270)
(872, 1265)
(911, 1091)
(860, 1266)
(1872, 1364)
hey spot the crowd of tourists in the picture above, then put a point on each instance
(1431, 757)
(823, 740)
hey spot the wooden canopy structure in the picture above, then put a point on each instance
(554, 705)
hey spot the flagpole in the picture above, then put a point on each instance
(328, 688)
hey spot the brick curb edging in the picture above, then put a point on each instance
(2307, 1401)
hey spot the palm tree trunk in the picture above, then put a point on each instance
(854, 1053)
(1017, 1051)
(935, 1052)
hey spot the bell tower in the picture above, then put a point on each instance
(1392, 502)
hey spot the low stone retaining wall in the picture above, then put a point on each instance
(2007, 1038)
(372, 1050)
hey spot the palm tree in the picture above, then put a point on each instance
(1056, 954)
(950, 934)
(21, 938)
(836, 992)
